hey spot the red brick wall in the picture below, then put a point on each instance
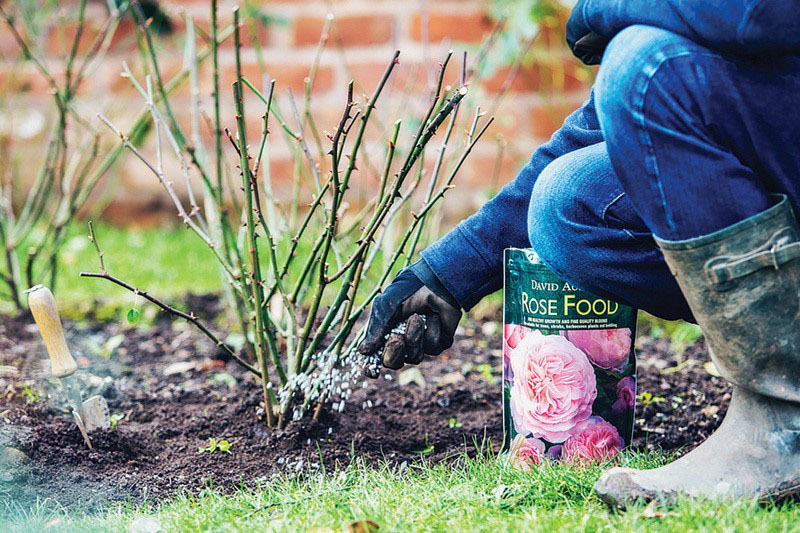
(364, 35)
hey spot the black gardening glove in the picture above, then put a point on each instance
(584, 43)
(409, 298)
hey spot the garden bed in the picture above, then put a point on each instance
(451, 406)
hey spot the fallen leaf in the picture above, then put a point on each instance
(111, 345)
(211, 364)
(181, 367)
(144, 524)
(13, 455)
(6, 370)
(55, 522)
(451, 378)
(409, 376)
(652, 511)
(711, 368)
(361, 526)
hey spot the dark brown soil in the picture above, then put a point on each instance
(153, 451)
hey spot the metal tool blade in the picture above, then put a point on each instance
(75, 400)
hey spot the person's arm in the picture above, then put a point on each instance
(465, 265)
(468, 261)
(749, 27)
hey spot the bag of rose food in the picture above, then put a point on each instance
(569, 369)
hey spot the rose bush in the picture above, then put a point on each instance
(525, 453)
(595, 440)
(607, 348)
(554, 386)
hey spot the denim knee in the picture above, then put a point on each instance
(631, 66)
(558, 215)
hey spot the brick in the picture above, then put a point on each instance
(479, 172)
(60, 37)
(566, 76)
(470, 27)
(547, 117)
(287, 76)
(510, 120)
(281, 171)
(9, 49)
(348, 30)
(26, 78)
(412, 76)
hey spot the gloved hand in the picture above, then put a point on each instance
(584, 43)
(407, 297)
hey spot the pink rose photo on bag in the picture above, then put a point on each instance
(569, 383)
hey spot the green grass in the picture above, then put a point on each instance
(167, 262)
(482, 494)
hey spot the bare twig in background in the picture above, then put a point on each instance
(191, 317)
(33, 232)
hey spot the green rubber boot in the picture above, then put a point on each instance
(743, 286)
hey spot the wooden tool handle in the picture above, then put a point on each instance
(45, 313)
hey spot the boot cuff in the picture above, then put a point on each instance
(782, 208)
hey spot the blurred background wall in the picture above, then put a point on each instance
(522, 73)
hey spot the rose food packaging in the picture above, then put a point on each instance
(569, 369)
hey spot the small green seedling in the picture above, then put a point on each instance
(215, 445)
(487, 371)
(225, 378)
(646, 398)
(428, 449)
(30, 394)
(116, 419)
(454, 423)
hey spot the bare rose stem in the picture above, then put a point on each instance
(350, 318)
(423, 135)
(437, 167)
(340, 185)
(264, 329)
(190, 316)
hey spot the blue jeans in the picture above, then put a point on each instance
(585, 228)
(695, 141)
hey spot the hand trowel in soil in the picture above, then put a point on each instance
(45, 312)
